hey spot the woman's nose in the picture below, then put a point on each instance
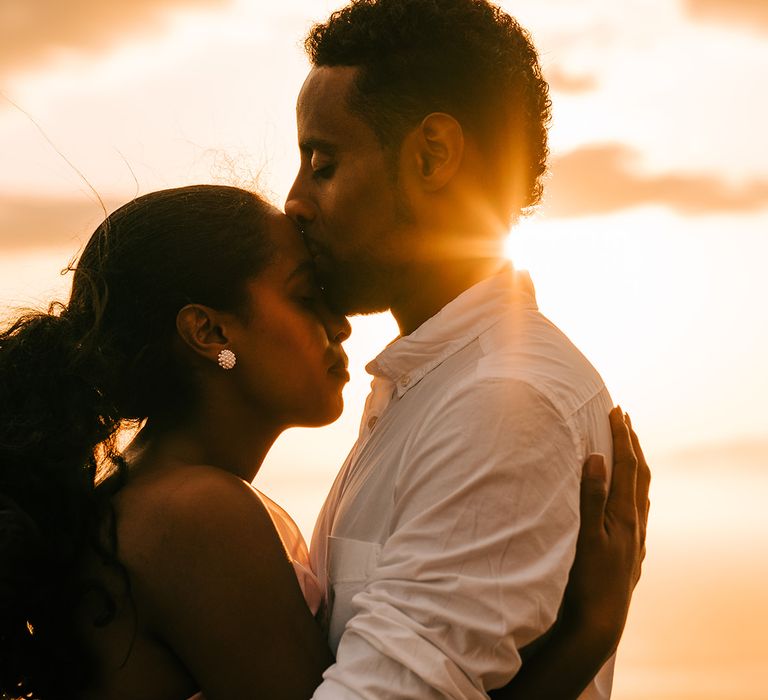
(340, 328)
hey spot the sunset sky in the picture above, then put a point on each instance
(649, 250)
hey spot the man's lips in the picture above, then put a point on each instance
(316, 251)
(312, 245)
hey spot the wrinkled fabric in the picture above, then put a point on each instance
(445, 543)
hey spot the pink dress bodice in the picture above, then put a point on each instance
(297, 551)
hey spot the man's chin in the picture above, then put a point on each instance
(349, 289)
(339, 299)
(361, 308)
(345, 297)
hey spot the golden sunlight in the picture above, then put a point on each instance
(648, 250)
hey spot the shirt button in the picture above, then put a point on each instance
(405, 381)
(372, 421)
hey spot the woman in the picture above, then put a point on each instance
(159, 572)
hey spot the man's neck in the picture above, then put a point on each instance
(427, 287)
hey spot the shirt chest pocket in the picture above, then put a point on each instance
(350, 565)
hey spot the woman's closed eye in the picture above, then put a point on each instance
(310, 296)
(310, 301)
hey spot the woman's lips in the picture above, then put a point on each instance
(339, 369)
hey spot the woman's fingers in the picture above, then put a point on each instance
(594, 493)
(621, 504)
(643, 481)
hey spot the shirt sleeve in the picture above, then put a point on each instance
(483, 535)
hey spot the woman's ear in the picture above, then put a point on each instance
(439, 141)
(201, 330)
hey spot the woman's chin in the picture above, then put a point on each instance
(334, 411)
(324, 415)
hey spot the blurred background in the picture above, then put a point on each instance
(650, 249)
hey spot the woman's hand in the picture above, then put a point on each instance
(609, 553)
(611, 542)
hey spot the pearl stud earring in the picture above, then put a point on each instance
(227, 359)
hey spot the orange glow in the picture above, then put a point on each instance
(649, 250)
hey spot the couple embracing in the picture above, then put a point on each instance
(442, 564)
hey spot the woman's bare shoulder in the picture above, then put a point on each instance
(181, 486)
(212, 581)
(173, 521)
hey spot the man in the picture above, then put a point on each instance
(446, 541)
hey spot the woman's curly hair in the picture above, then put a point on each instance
(69, 379)
(465, 57)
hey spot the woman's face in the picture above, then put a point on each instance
(289, 355)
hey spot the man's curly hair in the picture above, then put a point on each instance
(467, 58)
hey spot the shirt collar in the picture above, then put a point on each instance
(408, 359)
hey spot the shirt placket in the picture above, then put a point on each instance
(382, 392)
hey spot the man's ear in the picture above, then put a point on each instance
(201, 330)
(439, 150)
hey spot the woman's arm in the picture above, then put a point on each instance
(609, 554)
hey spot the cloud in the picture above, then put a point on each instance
(750, 14)
(32, 31)
(563, 81)
(28, 222)
(593, 180)
(749, 455)
(600, 179)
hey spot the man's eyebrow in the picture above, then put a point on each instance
(310, 145)
(306, 267)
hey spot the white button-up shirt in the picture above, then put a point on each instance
(446, 540)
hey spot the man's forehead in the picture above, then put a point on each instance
(324, 97)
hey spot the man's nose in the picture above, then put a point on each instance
(299, 208)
